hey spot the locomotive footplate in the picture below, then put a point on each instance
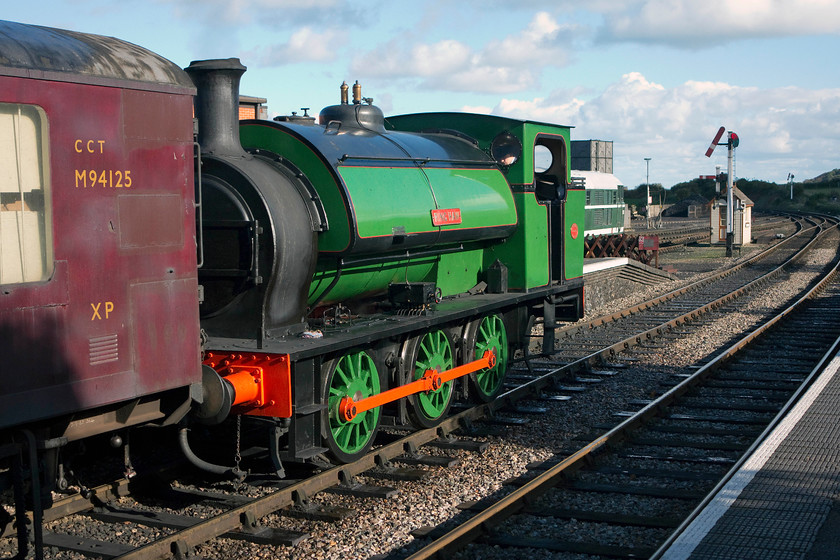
(366, 331)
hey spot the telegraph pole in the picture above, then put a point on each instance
(647, 184)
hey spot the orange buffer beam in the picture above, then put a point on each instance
(432, 380)
(262, 383)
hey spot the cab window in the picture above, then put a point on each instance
(550, 169)
(25, 213)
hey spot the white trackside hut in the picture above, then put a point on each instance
(742, 218)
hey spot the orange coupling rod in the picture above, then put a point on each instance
(432, 380)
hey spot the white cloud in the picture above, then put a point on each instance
(305, 45)
(485, 79)
(391, 60)
(543, 42)
(477, 109)
(503, 65)
(780, 128)
(546, 110)
(443, 57)
(691, 23)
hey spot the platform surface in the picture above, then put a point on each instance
(784, 501)
(594, 265)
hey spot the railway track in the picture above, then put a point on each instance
(177, 534)
(664, 458)
(600, 339)
(691, 231)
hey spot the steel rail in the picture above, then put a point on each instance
(517, 500)
(570, 330)
(672, 239)
(702, 227)
(242, 516)
(815, 372)
(77, 503)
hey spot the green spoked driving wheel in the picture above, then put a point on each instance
(352, 375)
(432, 350)
(485, 334)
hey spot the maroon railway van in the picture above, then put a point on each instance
(98, 288)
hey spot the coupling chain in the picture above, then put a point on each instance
(238, 456)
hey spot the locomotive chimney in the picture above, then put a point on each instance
(217, 104)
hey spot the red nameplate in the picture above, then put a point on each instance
(446, 216)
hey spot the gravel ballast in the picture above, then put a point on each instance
(383, 527)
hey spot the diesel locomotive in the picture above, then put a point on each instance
(163, 263)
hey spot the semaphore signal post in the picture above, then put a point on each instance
(732, 143)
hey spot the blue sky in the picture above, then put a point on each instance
(657, 77)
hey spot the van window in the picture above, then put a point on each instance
(25, 210)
